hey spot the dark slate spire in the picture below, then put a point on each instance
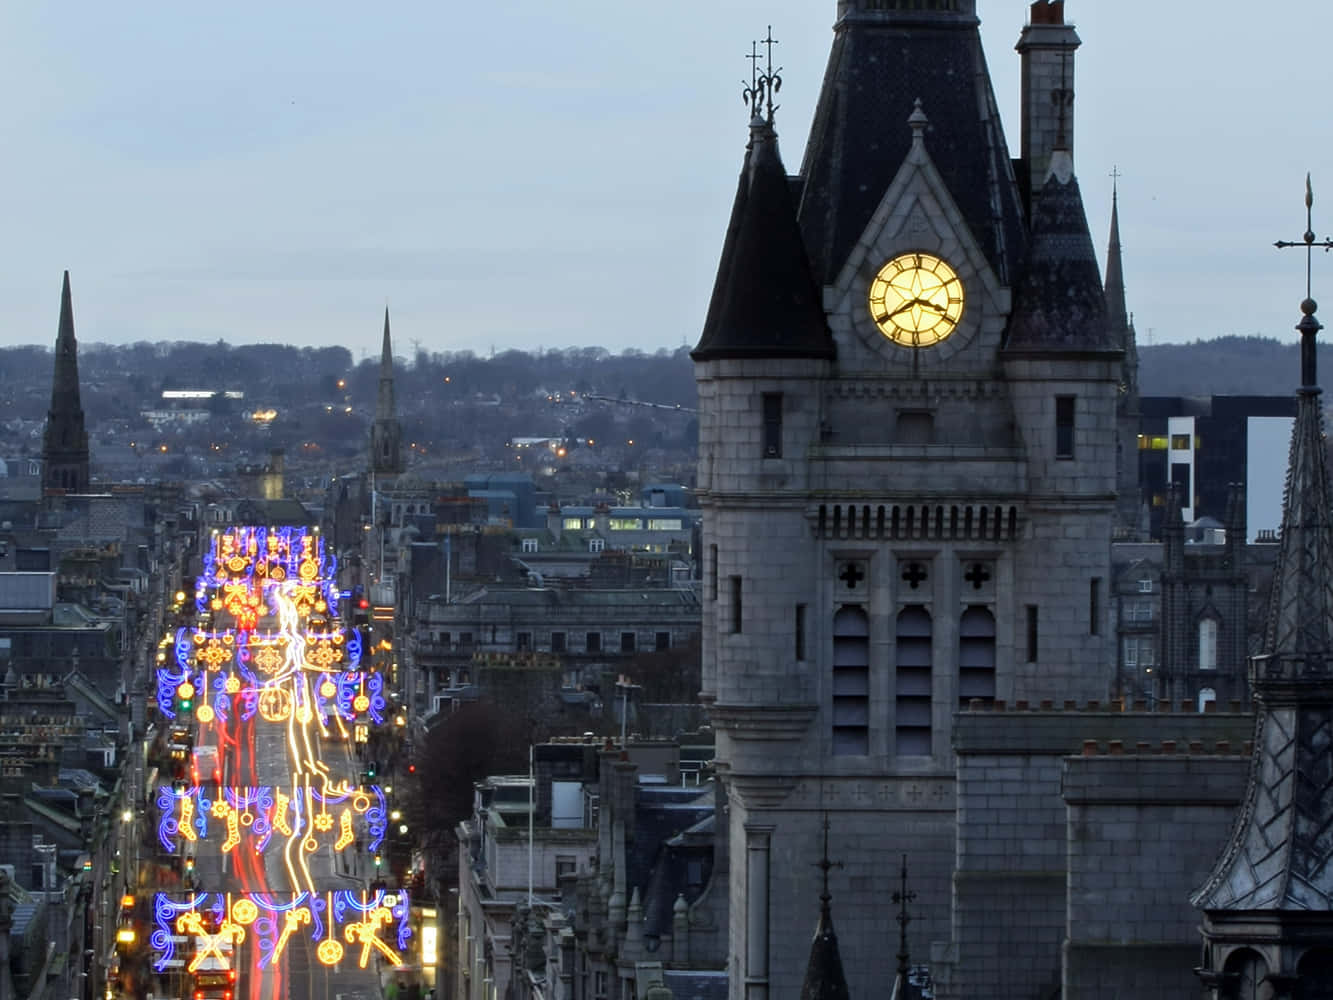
(1059, 304)
(886, 54)
(1271, 892)
(65, 441)
(824, 979)
(765, 302)
(386, 433)
(1116, 313)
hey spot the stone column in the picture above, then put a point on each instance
(758, 844)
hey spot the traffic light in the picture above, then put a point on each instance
(378, 860)
(371, 768)
(189, 863)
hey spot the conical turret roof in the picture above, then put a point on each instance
(766, 303)
(1059, 305)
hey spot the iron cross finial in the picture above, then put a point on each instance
(824, 865)
(763, 86)
(902, 897)
(1308, 326)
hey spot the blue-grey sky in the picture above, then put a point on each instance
(523, 174)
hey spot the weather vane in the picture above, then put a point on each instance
(763, 86)
(902, 897)
(1309, 241)
(1308, 326)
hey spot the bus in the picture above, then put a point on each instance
(205, 766)
(215, 977)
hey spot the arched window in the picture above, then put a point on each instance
(912, 726)
(1247, 971)
(976, 655)
(1315, 971)
(851, 682)
(1208, 644)
(1206, 697)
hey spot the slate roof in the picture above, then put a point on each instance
(1280, 855)
(686, 985)
(881, 62)
(765, 302)
(1059, 303)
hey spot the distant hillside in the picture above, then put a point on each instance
(1228, 366)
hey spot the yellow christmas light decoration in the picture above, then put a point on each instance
(345, 836)
(244, 911)
(204, 714)
(232, 684)
(330, 952)
(275, 704)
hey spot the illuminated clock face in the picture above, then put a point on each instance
(916, 300)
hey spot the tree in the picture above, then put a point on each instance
(480, 738)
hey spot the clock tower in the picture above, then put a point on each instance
(907, 389)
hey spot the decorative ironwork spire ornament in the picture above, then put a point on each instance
(902, 897)
(1308, 325)
(824, 865)
(763, 85)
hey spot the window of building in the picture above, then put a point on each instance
(599, 983)
(565, 864)
(529, 545)
(465, 638)
(665, 524)
(1208, 644)
(1095, 606)
(712, 572)
(524, 642)
(573, 524)
(1138, 611)
(592, 642)
(661, 641)
(851, 682)
(1145, 585)
(772, 425)
(557, 642)
(626, 523)
(800, 632)
(976, 654)
(627, 642)
(1064, 426)
(1207, 696)
(596, 544)
(736, 607)
(1032, 632)
(1180, 442)
(913, 695)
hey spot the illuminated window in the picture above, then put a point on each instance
(1207, 696)
(573, 524)
(626, 524)
(1180, 442)
(665, 524)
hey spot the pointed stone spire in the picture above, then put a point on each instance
(386, 433)
(1128, 409)
(65, 441)
(1272, 888)
(824, 978)
(765, 301)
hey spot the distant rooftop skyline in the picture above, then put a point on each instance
(531, 175)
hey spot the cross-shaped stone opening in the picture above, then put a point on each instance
(915, 575)
(851, 575)
(977, 575)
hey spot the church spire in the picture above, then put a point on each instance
(1272, 890)
(1115, 275)
(65, 441)
(386, 433)
(824, 978)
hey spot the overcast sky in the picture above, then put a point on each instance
(523, 174)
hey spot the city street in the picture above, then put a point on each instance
(277, 832)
